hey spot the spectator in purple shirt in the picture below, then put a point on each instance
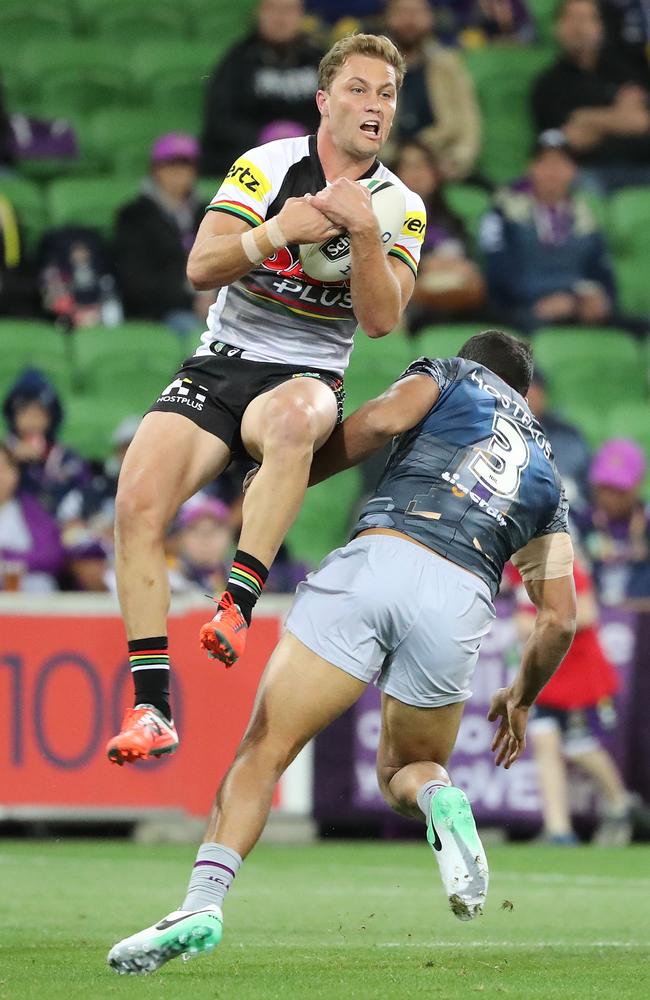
(31, 554)
(34, 414)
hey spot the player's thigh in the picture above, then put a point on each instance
(410, 734)
(299, 695)
(169, 459)
(301, 408)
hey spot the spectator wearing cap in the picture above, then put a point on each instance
(546, 260)
(154, 235)
(270, 76)
(615, 530)
(202, 545)
(596, 97)
(34, 414)
(570, 449)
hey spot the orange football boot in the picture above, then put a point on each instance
(145, 733)
(224, 637)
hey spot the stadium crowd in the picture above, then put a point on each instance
(520, 242)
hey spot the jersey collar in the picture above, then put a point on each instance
(315, 158)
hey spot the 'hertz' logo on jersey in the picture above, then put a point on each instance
(415, 225)
(249, 178)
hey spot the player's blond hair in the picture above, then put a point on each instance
(377, 46)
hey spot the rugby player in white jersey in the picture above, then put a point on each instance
(267, 376)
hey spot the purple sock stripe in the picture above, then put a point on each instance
(214, 864)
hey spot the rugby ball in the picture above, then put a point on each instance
(331, 260)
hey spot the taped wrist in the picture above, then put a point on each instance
(259, 243)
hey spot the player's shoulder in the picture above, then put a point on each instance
(270, 162)
(414, 202)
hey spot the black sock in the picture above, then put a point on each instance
(246, 582)
(150, 669)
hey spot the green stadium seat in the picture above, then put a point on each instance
(89, 201)
(445, 340)
(324, 521)
(543, 12)
(115, 133)
(470, 203)
(138, 358)
(30, 344)
(156, 62)
(591, 421)
(225, 22)
(629, 231)
(503, 76)
(90, 421)
(22, 22)
(138, 19)
(589, 367)
(41, 60)
(207, 188)
(28, 200)
(374, 365)
(79, 90)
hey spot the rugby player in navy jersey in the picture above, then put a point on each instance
(267, 375)
(470, 483)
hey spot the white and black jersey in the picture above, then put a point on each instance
(275, 312)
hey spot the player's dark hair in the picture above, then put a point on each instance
(507, 357)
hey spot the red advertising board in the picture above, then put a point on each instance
(64, 682)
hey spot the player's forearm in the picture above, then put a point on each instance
(544, 651)
(360, 436)
(376, 294)
(218, 260)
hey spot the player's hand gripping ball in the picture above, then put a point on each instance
(331, 260)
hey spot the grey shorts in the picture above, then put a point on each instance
(383, 605)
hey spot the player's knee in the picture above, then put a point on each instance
(290, 425)
(137, 510)
(385, 774)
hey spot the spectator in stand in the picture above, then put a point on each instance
(202, 546)
(474, 23)
(594, 96)
(34, 414)
(545, 258)
(570, 449)
(627, 34)
(271, 75)
(437, 103)
(571, 716)
(154, 235)
(615, 529)
(31, 554)
(449, 282)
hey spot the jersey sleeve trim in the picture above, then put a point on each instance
(238, 209)
(401, 253)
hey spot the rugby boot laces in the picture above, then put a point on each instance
(452, 834)
(224, 638)
(186, 933)
(145, 733)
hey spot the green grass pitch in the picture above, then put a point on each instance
(335, 920)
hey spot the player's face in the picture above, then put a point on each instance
(360, 105)
(614, 502)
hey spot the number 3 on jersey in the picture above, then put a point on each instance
(499, 468)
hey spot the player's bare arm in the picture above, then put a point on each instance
(555, 626)
(374, 424)
(380, 288)
(226, 248)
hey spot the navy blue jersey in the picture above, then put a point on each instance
(475, 479)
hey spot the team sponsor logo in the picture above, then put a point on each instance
(248, 178)
(337, 247)
(415, 225)
(459, 490)
(185, 392)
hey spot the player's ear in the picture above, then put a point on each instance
(322, 103)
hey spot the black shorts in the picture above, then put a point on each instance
(214, 390)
